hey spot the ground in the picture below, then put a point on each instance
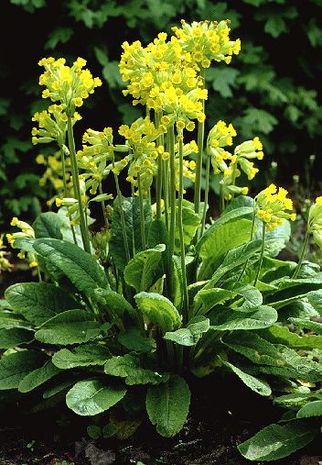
(223, 414)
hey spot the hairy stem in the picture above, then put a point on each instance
(205, 207)
(302, 255)
(261, 255)
(181, 234)
(200, 142)
(142, 223)
(76, 185)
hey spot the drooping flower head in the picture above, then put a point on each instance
(52, 125)
(162, 77)
(68, 85)
(315, 221)
(207, 41)
(273, 206)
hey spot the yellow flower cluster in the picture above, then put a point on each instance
(97, 150)
(231, 165)
(163, 77)
(207, 41)
(54, 172)
(5, 265)
(68, 85)
(273, 206)
(52, 125)
(141, 138)
(18, 239)
(315, 221)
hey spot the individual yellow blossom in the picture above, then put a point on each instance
(273, 206)
(22, 240)
(68, 85)
(207, 41)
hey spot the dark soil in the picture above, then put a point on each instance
(223, 414)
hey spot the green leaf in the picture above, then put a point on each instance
(275, 26)
(38, 377)
(168, 405)
(133, 339)
(276, 442)
(308, 324)
(38, 302)
(190, 222)
(129, 367)
(12, 337)
(259, 120)
(60, 35)
(276, 240)
(81, 356)
(222, 239)
(158, 310)
(80, 267)
(131, 232)
(223, 80)
(117, 305)
(14, 367)
(225, 319)
(91, 397)
(282, 335)
(312, 409)
(257, 385)
(48, 225)
(70, 327)
(314, 33)
(190, 335)
(145, 268)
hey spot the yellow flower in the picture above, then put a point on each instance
(67, 85)
(273, 206)
(207, 41)
(315, 221)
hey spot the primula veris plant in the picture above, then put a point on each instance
(121, 316)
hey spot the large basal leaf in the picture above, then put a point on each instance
(91, 397)
(130, 232)
(14, 367)
(308, 324)
(158, 310)
(190, 335)
(13, 337)
(223, 238)
(190, 222)
(282, 335)
(133, 339)
(276, 240)
(115, 303)
(70, 327)
(278, 441)
(144, 268)
(81, 356)
(168, 404)
(312, 409)
(48, 224)
(206, 299)
(38, 377)
(81, 268)
(255, 384)
(38, 302)
(290, 290)
(235, 258)
(275, 359)
(225, 319)
(129, 367)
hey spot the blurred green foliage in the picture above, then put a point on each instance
(270, 89)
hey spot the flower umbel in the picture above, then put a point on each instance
(273, 206)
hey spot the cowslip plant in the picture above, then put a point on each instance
(120, 316)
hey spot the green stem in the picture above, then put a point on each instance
(251, 238)
(304, 247)
(181, 234)
(166, 191)
(120, 197)
(142, 222)
(205, 207)
(172, 198)
(222, 199)
(261, 255)
(200, 142)
(63, 162)
(100, 189)
(157, 118)
(76, 185)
